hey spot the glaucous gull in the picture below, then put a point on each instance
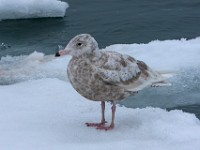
(106, 75)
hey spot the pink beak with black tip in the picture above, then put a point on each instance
(61, 53)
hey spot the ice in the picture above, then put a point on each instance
(169, 56)
(45, 113)
(48, 114)
(18, 9)
(34, 66)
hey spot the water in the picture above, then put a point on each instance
(111, 22)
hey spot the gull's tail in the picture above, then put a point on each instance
(165, 75)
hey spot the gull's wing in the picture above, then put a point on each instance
(117, 69)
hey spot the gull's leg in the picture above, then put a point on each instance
(112, 121)
(113, 115)
(103, 121)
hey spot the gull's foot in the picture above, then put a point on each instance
(96, 124)
(106, 128)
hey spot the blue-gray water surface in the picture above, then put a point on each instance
(110, 22)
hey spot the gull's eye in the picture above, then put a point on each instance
(79, 44)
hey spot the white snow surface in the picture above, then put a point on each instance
(168, 56)
(171, 55)
(48, 114)
(45, 113)
(18, 9)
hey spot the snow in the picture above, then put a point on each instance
(168, 55)
(164, 56)
(18, 9)
(48, 114)
(38, 65)
(41, 111)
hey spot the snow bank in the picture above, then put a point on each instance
(17, 9)
(164, 55)
(169, 55)
(47, 114)
(34, 66)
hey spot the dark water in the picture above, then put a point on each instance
(110, 22)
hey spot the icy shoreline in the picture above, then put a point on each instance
(40, 110)
(168, 55)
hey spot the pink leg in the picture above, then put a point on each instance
(103, 121)
(113, 119)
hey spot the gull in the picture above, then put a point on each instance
(104, 76)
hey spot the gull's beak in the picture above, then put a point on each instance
(57, 54)
(62, 52)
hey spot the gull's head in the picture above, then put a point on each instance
(82, 44)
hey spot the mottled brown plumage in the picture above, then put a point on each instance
(105, 75)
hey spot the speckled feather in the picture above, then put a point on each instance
(106, 75)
